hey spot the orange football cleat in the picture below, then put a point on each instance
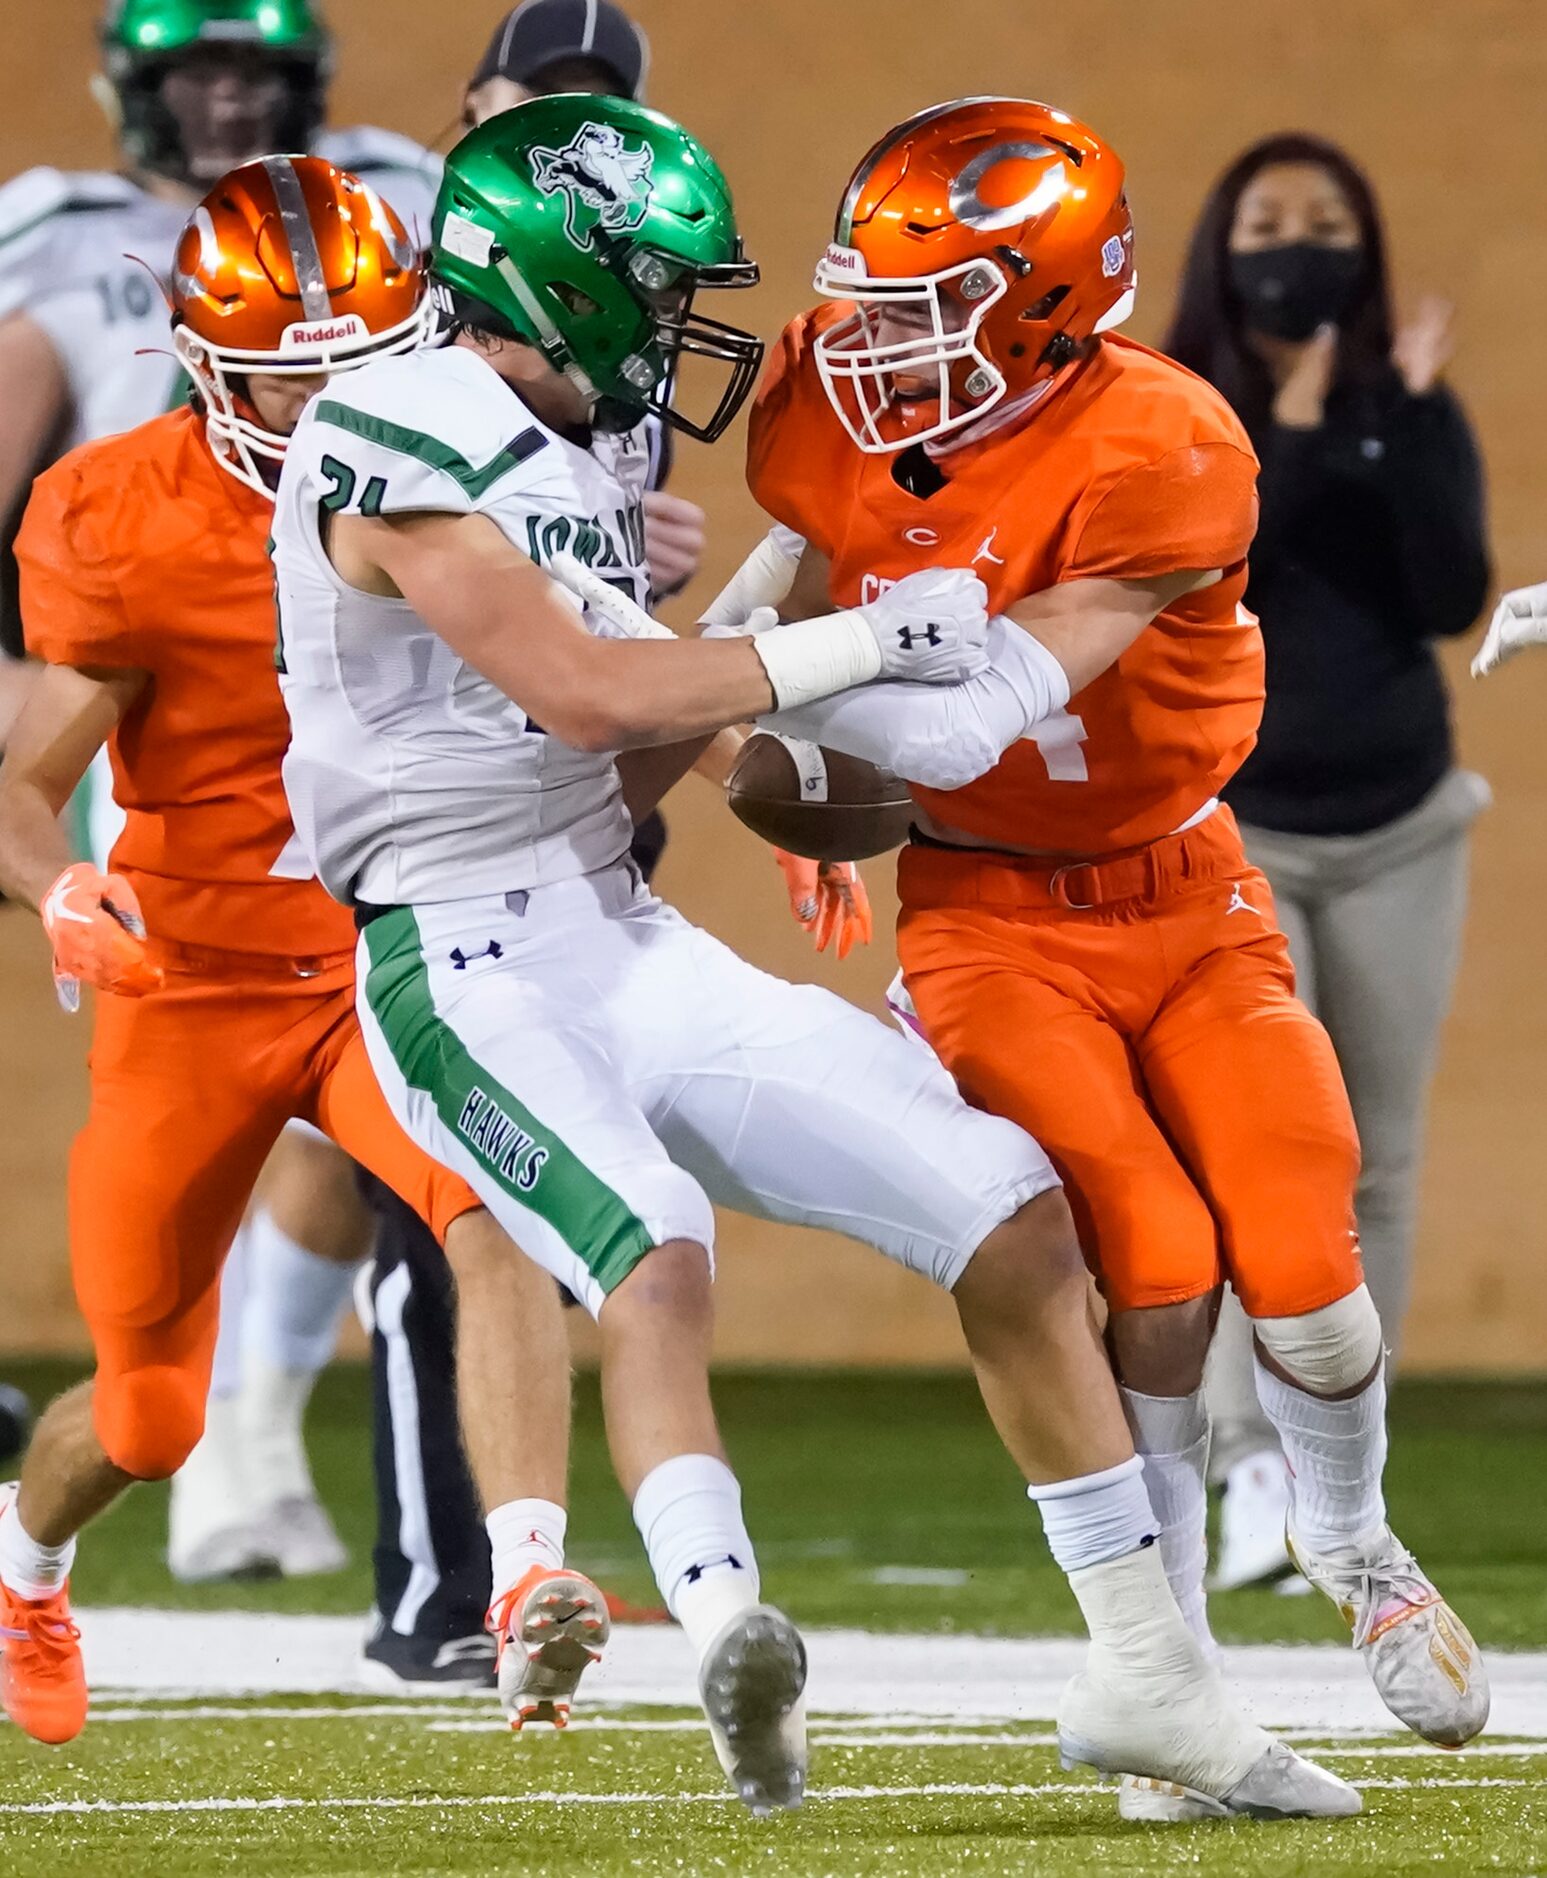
(42, 1677)
(622, 1612)
(550, 1628)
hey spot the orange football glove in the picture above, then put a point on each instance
(829, 900)
(95, 926)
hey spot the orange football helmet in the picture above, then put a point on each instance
(982, 243)
(288, 268)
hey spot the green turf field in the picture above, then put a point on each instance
(847, 1477)
(849, 1473)
(641, 1794)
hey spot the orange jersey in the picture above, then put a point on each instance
(140, 553)
(1132, 469)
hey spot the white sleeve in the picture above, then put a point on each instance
(763, 579)
(940, 736)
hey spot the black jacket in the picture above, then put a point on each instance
(1370, 547)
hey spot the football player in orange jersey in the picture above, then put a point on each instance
(1085, 944)
(227, 994)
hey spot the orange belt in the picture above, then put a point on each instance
(216, 962)
(933, 873)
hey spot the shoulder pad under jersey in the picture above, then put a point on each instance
(43, 215)
(365, 151)
(29, 202)
(436, 428)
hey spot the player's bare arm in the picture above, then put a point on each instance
(650, 775)
(500, 612)
(33, 396)
(1088, 625)
(92, 919)
(66, 720)
(1042, 651)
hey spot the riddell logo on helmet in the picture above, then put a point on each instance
(323, 333)
(845, 260)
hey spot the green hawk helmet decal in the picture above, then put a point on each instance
(604, 184)
(144, 39)
(585, 226)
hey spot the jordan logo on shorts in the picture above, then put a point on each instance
(1238, 902)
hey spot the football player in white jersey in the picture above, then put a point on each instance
(195, 87)
(596, 1067)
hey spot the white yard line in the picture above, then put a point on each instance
(1313, 1690)
(935, 1789)
(849, 1731)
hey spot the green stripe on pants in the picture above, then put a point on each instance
(530, 1162)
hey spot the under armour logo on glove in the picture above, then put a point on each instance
(461, 960)
(911, 636)
(932, 626)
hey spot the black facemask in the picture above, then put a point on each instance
(1287, 292)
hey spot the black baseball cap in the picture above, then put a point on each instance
(539, 34)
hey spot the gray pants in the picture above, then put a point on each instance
(1374, 924)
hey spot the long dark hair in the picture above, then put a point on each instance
(1207, 332)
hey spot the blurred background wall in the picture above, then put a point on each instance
(1444, 105)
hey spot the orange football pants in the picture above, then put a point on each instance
(190, 1088)
(1138, 1017)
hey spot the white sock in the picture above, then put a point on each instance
(1336, 1453)
(295, 1299)
(272, 1408)
(30, 1570)
(210, 1491)
(226, 1375)
(524, 1533)
(1097, 1517)
(688, 1511)
(1132, 1616)
(1171, 1434)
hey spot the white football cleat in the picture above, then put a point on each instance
(549, 1629)
(298, 1531)
(1421, 1657)
(1252, 1513)
(210, 1530)
(1186, 1731)
(223, 1554)
(751, 1681)
(1163, 1802)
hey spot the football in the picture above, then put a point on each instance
(815, 802)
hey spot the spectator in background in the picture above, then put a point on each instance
(1370, 547)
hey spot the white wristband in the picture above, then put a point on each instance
(814, 658)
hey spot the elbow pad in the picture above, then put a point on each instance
(951, 762)
(763, 579)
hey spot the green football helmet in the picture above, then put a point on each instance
(142, 40)
(585, 225)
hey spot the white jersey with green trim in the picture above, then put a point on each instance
(84, 254)
(411, 778)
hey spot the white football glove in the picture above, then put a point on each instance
(609, 612)
(931, 627)
(1519, 620)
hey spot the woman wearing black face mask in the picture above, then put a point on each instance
(1370, 547)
